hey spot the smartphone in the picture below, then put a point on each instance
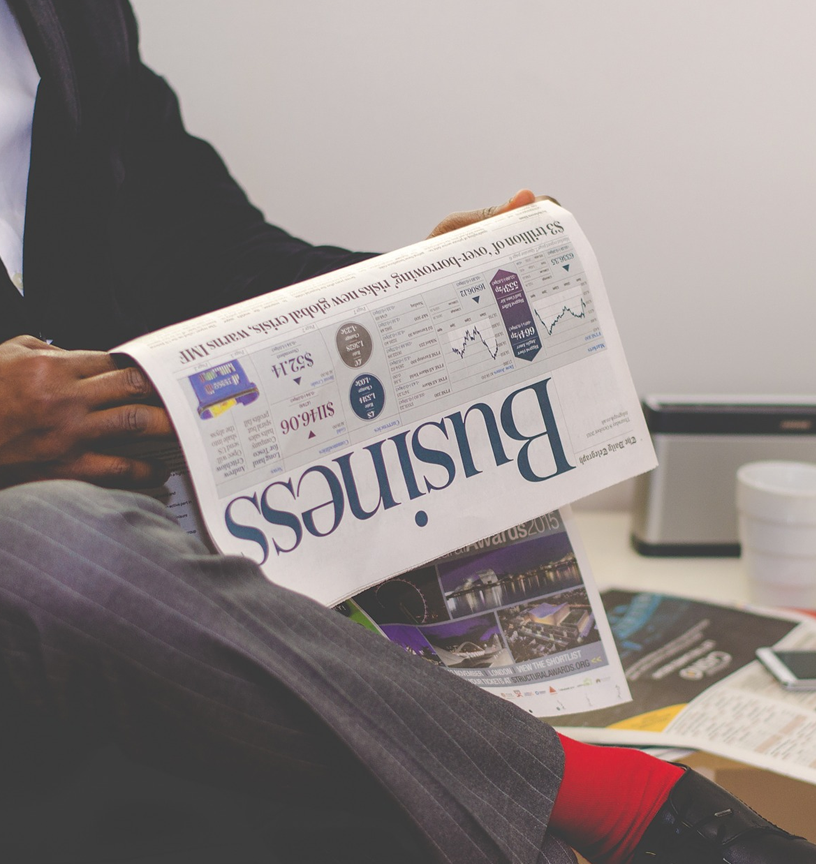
(795, 670)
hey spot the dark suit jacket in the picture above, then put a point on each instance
(131, 223)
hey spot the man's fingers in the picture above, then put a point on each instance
(118, 387)
(521, 199)
(127, 422)
(103, 469)
(83, 364)
(64, 411)
(113, 471)
(90, 363)
(469, 217)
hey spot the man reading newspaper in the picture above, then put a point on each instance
(117, 626)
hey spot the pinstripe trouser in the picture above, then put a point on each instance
(115, 625)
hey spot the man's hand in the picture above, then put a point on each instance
(468, 217)
(61, 410)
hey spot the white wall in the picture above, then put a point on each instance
(682, 135)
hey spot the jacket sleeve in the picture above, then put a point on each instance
(131, 222)
(184, 236)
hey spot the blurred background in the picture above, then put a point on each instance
(681, 134)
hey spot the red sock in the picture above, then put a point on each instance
(608, 797)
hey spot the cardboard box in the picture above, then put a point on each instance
(788, 803)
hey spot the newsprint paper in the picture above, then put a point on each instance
(517, 613)
(380, 416)
(357, 426)
(695, 682)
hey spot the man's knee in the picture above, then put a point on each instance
(62, 509)
(63, 527)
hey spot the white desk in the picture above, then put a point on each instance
(614, 563)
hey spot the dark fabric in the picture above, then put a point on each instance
(118, 631)
(11, 303)
(116, 627)
(131, 223)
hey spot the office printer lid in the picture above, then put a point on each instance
(731, 415)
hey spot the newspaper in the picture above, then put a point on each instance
(695, 683)
(517, 613)
(380, 416)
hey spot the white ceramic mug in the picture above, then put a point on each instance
(776, 508)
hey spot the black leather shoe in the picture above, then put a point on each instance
(701, 823)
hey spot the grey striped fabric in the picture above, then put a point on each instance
(117, 626)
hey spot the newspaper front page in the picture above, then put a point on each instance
(380, 416)
(695, 683)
